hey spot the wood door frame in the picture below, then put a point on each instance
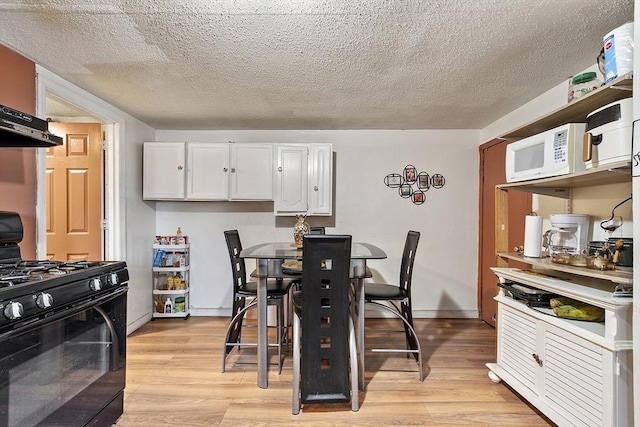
(481, 234)
(507, 218)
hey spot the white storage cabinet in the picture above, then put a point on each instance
(304, 179)
(577, 373)
(171, 280)
(201, 171)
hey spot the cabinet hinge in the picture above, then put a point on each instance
(104, 224)
(104, 145)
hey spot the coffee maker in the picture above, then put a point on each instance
(569, 235)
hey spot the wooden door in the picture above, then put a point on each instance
(492, 157)
(74, 193)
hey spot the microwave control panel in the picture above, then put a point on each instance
(560, 151)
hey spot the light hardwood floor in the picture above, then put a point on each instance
(174, 378)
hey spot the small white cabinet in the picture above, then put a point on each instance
(251, 172)
(304, 179)
(171, 280)
(207, 171)
(577, 373)
(164, 171)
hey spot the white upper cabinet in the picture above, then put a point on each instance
(207, 171)
(164, 171)
(251, 172)
(291, 179)
(304, 179)
(321, 180)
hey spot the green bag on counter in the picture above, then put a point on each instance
(568, 308)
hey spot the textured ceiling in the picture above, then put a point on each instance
(313, 64)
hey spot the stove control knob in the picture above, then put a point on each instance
(113, 279)
(95, 284)
(44, 300)
(13, 310)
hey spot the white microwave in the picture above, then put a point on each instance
(552, 153)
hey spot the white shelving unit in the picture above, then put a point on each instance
(171, 280)
(575, 372)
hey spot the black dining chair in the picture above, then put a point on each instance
(244, 299)
(316, 230)
(396, 299)
(325, 363)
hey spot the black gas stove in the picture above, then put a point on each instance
(34, 289)
(62, 337)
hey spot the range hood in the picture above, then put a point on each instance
(18, 129)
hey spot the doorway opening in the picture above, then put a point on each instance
(74, 187)
(63, 101)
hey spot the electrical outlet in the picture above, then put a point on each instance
(611, 224)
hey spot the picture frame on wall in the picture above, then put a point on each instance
(410, 174)
(393, 180)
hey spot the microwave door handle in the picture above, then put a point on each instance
(586, 147)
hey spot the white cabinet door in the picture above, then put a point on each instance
(251, 172)
(321, 180)
(291, 179)
(163, 171)
(208, 171)
(518, 345)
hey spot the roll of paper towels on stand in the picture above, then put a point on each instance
(533, 236)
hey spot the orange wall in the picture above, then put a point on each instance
(18, 165)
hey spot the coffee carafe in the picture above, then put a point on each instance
(567, 240)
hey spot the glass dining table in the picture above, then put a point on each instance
(269, 259)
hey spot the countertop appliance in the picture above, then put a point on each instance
(607, 137)
(62, 337)
(18, 129)
(552, 153)
(572, 231)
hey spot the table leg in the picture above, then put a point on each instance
(262, 344)
(359, 288)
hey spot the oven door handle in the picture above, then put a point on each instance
(72, 311)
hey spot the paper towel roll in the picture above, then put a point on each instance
(618, 52)
(533, 236)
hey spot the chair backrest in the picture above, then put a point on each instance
(408, 256)
(238, 269)
(316, 230)
(325, 318)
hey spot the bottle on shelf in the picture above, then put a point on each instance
(168, 306)
(179, 237)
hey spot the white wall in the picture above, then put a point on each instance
(139, 228)
(445, 271)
